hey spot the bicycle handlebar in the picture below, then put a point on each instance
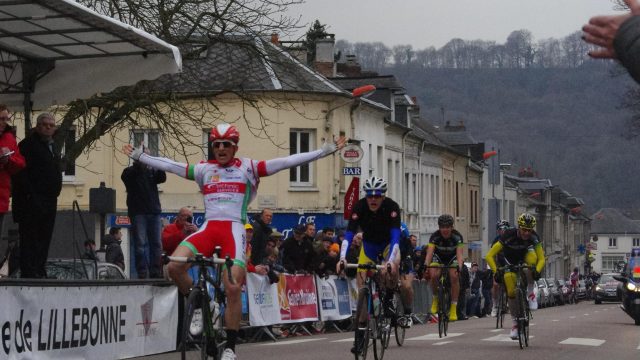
(366, 266)
(198, 259)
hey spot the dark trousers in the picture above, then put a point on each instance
(488, 301)
(35, 231)
(462, 301)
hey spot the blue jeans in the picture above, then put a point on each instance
(146, 239)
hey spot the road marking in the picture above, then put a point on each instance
(343, 340)
(532, 324)
(555, 320)
(442, 343)
(572, 317)
(582, 341)
(434, 336)
(503, 337)
(585, 314)
(638, 347)
(496, 330)
(289, 342)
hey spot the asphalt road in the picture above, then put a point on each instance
(584, 331)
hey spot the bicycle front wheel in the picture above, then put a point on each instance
(197, 345)
(362, 310)
(399, 330)
(522, 330)
(380, 332)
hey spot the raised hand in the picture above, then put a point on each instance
(602, 30)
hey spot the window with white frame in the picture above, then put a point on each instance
(613, 242)
(206, 149)
(636, 242)
(610, 262)
(69, 170)
(300, 141)
(149, 137)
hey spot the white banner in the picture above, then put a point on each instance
(264, 308)
(87, 322)
(335, 299)
(353, 291)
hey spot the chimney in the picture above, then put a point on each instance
(414, 99)
(275, 40)
(324, 62)
(350, 67)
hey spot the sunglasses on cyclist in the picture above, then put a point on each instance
(225, 144)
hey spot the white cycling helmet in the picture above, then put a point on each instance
(375, 186)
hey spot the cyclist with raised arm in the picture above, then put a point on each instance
(445, 249)
(519, 246)
(378, 218)
(228, 184)
(501, 227)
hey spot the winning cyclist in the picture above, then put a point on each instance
(228, 185)
(378, 218)
(445, 249)
(520, 245)
(501, 227)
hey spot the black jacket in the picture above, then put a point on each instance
(298, 256)
(627, 46)
(464, 278)
(113, 250)
(142, 189)
(261, 232)
(487, 279)
(36, 188)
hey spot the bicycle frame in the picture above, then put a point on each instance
(523, 315)
(212, 340)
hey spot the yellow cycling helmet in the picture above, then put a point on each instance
(526, 221)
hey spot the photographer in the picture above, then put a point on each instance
(182, 227)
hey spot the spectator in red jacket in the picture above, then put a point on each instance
(9, 164)
(182, 227)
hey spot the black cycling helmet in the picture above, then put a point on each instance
(502, 225)
(445, 220)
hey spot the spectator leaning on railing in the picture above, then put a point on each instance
(298, 252)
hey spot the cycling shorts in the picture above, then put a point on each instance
(369, 252)
(229, 235)
(406, 266)
(451, 261)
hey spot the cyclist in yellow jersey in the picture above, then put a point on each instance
(520, 245)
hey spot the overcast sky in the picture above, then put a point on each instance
(424, 23)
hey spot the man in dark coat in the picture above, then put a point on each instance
(261, 233)
(143, 203)
(298, 252)
(35, 196)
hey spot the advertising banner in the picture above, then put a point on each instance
(297, 297)
(264, 308)
(87, 322)
(335, 299)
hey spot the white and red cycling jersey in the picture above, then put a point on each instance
(227, 192)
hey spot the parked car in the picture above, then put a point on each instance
(557, 288)
(77, 269)
(607, 289)
(544, 297)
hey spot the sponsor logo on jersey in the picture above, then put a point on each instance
(354, 216)
(394, 214)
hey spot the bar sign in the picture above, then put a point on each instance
(351, 171)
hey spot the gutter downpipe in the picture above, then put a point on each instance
(404, 150)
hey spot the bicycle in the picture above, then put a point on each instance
(378, 328)
(502, 305)
(211, 342)
(523, 313)
(444, 299)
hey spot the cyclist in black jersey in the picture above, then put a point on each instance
(408, 243)
(501, 227)
(445, 248)
(378, 218)
(520, 245)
